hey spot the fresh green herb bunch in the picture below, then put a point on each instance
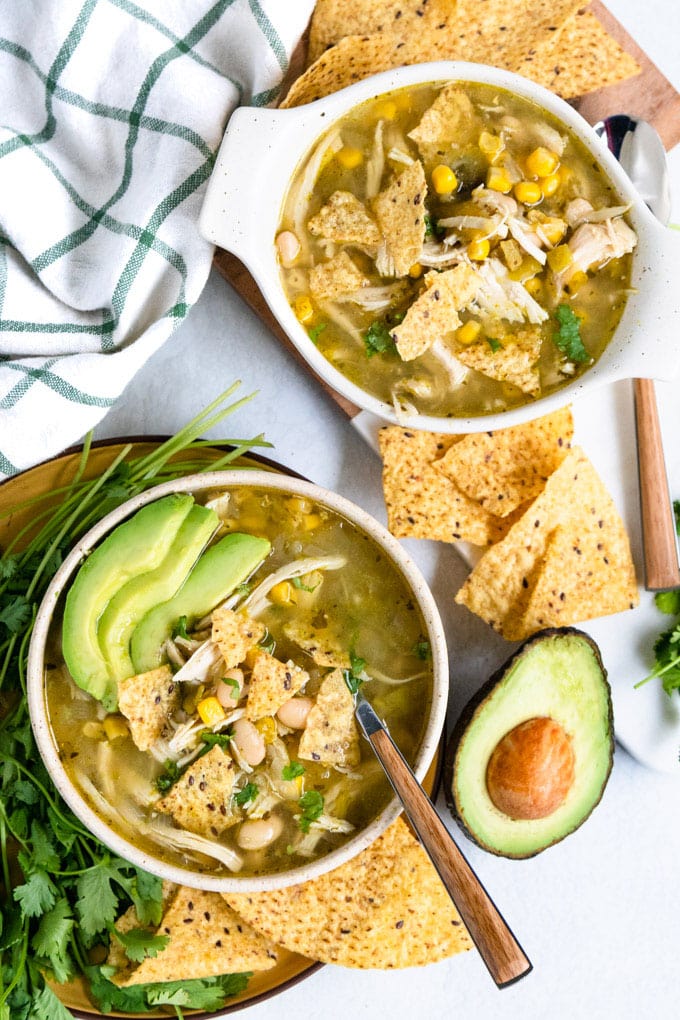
(62, 890)
(667, 645)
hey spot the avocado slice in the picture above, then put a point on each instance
(219, 570)
(555, 683)
(134, 600)
(138, 545)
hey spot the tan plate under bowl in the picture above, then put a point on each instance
(50, 477)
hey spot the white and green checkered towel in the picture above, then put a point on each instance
(110, 114)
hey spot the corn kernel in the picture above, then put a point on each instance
(299, 505)
(252, 655)
(497, 179)
(444, 181)
(349, 157)
(559, 258)
(565, 174)
(542, 162)
(416, 271)
(469, 332)
(94, 730)
(553, 230)
(283, 594)
(210, 710)
(303, 308)
(300, 782)
(576, 281)
(386, 109)
(266, 727)
(311, 521)
(478, 249)
(115, 727)
(549, 184)
(533, 286)
(491, 145)
(528, 192)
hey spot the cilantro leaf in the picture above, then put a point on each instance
(292, 770)
(668, 602)
(146, 892)
(97, 900)
(315, 332)
(51, 940)
(168, 777)
(37, 895)
(378, 340)
(234, 684)
(248, 793)
(180, 628)
(211, 739)
(352, 676)
(297, 583)
(140, 943)
(432, 228)
(47, 1006)
(311, 805)
(495, 345)
(422, 650)
(199, 993)
(9, 566)
(568, 338)
(15, 613)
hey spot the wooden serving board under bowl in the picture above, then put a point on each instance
(649, 95)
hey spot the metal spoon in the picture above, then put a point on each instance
(639, 150)
(505, 959)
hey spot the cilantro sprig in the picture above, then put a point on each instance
(667, 645)
(568, 337)
(61, 889)
(354, 676)
(311, 807)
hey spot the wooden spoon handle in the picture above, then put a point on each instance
(498, 947)
(658, 520)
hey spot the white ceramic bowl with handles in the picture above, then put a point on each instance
(258, 158)
(434, 713)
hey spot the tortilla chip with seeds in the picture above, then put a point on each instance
(574, 506)
(321, 644)
(435, 312)
(354, 58)
(345, 220)
(330, 735)
(200, 799)
(421, 502)
(147, 701)
(235, 634)
(206, 938)
(447, 127)
(516, 362)
(336, 278)
(332, 20)
(508, 467)
(578, 59)
(400, 211)
(385, 908)
(272, 684)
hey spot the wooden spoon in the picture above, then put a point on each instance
(505, 959)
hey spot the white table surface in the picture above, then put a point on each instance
(598, 914)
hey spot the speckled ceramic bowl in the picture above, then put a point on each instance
(258, 158)
(50, 751)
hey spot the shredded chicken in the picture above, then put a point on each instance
(594, 244)
(502, 298)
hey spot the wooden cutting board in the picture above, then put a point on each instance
(649, 95)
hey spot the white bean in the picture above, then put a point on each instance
(226, 693)
(255, 834)
(294, 713)
(288, 247)
(249, 741)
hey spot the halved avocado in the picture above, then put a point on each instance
(219, 570)
(138, 545)
(531, 753)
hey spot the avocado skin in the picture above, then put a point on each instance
(472, 708)
(137, 545)
(219, 570)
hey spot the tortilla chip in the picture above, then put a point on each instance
(421, 502)
(331, 734)
(200, 799)
(272, 684)
(354, 58)
(321, 644)
(575, 512)
(126, 922)
(147, 701)
(515, 363)
(435, 312)
(345, 220)
(235, 634)
(205, 938)
(447, 126)
(506, 468)
(334, 19)
(400, 211)
(336, 278)
(580, 58)
(385, 908)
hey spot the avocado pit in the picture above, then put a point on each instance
(531, 769)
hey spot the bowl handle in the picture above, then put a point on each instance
(258, 154)
(661, 322)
